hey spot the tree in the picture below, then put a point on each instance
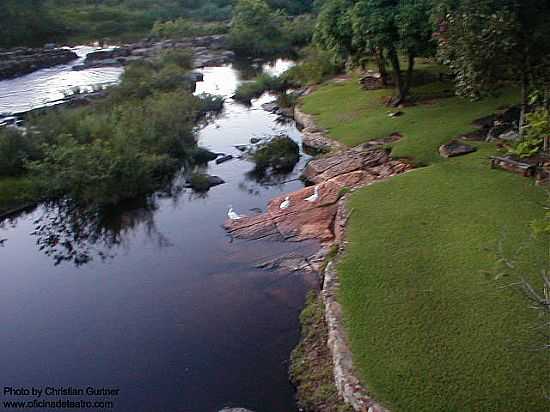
(333, 31)
(491, 43)
(391, 28)
(383, 29)
(256, 29)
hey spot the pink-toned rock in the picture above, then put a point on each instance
(304, 220)
(326, 168)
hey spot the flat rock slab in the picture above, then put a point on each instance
(304, 220)
(326, 168)
(455, 148)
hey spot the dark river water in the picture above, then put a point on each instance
(163, 305)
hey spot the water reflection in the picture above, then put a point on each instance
(191, 321)
(71, 234)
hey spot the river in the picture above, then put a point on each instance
(155, 299)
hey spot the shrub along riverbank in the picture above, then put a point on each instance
(123, 146)
(431, 326)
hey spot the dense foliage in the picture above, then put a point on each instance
(35, 22)
(537, 129)
(316, 65)
(259, 30)
(262, 83)
(492, 42)
(383, 29)
(118, 148)
(279, 155)
(181, 27)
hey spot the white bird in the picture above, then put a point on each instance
(231, 214)
(315, 196)
(285, 204)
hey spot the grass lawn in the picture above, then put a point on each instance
(353, 116)
(14, 193)
(431, 328)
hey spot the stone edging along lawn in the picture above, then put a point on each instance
(347, 383)
(431, 321)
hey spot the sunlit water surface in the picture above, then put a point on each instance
(165, 306)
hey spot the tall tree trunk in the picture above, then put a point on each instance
(524, 101)
(409, 79)
(381, 62)
(397, 75)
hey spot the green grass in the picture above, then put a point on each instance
(14, 193)
(353, 116)
(431, 328)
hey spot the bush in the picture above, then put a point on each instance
(118, 148)
(210, 103)
(317, 66)
(98, 173)
(280, 154)
(537, 129)
(179, 57)
(257, 30)
(161, 124)
(201, 155)
(15, 149)
(264, 82)
(199, 182)
(182, 28)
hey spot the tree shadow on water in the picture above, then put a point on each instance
(71, 234)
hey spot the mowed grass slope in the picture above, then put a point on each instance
(431, 328)
(353, 116)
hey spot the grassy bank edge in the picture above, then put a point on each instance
(420, 142)
(311, 367)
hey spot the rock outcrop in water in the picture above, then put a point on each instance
(19, 61)
(305, 220)
(207, 51)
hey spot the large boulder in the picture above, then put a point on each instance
(108, 54)
(455, 148)
(201, 182)
(325, 168)
(372, 81)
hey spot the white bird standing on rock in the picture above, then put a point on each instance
(231, 214)
(285, 204)
(315, 196)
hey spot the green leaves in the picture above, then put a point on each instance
(489, 42)
(537, 129)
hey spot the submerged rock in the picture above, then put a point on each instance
(271, 107)
(224, 159)
(279, 154)
(201, 182)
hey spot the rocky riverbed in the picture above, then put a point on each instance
(22, 60)
(207, 51)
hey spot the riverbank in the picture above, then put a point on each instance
(430, 325)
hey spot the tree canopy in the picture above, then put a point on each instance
(384, 29)
(488, 43)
